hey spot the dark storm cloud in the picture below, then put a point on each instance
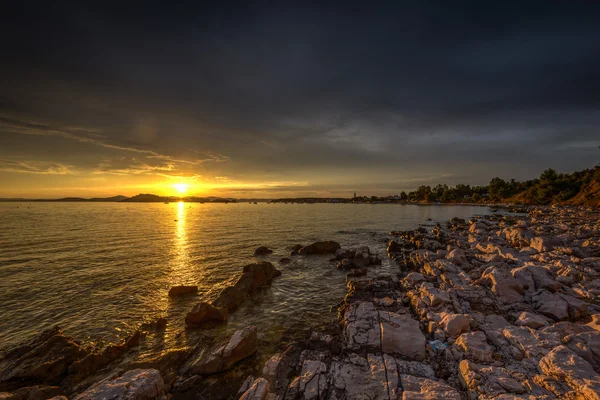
(424, 89)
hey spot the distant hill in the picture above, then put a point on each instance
(146, 198)
(72, 199)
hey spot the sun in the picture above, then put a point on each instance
(181, 187)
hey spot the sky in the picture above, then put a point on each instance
(269, 99)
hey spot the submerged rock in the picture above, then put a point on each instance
(327, 247)
(262, 250)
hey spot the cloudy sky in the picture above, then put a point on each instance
(292, 100)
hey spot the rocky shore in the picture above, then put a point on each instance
(498, 307)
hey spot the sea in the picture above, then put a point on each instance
(100, 270)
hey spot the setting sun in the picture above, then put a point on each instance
(181, 187)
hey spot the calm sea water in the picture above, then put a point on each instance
(98, 270)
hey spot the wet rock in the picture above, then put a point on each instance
(44, 360)
(262, 250)
(296, 250)
(138, 384)
(182, 290)
(254, 276)
(204, 312)
(284, 261)
(326, 247)
(242, 344)
(40, 392)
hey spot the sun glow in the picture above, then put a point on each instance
(181, 187)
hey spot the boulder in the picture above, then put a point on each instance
(242, 344)
(262, 250)
(401, 334)
(543, 244)
(551, 305)
(182, 290)
(137, 384)
(254, 276)
(457, 257)
(326, 247)
(475, 345)
(204, 312)
(506, 288)
(454, 324)
(531, 320)
(295, 250)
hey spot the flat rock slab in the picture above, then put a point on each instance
(357, 378)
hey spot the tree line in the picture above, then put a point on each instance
(550, 187)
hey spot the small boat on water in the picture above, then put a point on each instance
(166, 202)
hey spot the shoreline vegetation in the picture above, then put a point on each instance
(501, 305)
(577, 188)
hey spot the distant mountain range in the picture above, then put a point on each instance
(140, 198)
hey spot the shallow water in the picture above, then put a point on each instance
(99, 270)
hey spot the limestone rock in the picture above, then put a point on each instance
(242, 344)
(356, 378)
(400, 334)
(454, 324)
(258, 391)
(475, 345)
(416, 388)
(564, 365)
(531, 320)
(182, 290)
(361, 326)
(327, 247)
(137, 384)
(204, 312)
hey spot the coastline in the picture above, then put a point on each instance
(476, 308)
